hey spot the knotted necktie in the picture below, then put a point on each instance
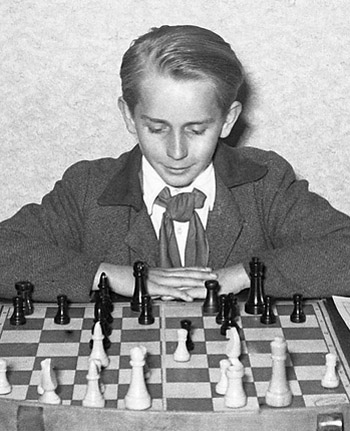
(181, 208)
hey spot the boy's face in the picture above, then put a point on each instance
(178, 124)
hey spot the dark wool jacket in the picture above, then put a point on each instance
(96, 213)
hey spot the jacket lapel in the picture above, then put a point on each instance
(142, 239)
(225, 224)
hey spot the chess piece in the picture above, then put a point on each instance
(62, 317)
(98, 351)
(226, 316)
(268, 317)
(232, 310)
(220, 317)
(211, 302)
(104, 298)
(278, 393)
(255, 301)
(5, 387)
(101, 314)
(137, 397)
(298, 315)
(187, 324)
(235, 395)
(93, 396)
(25, 290)
(48, 384)
(233, 347)
(230, 314)
(146, 316)
(140, 272)
(181, 353)
(331, 378)
(221, 386)
(18, 317)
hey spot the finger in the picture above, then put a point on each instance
(168, 291)
(182, 276)
(190, 268)
(198, 293)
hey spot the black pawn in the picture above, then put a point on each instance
(140, 273)
(187, 324)
(220, 318)
(25, 290)
(211, 302)
(268, 317)
(298, 315)
(62, 317)
(146, 316)
(255, 301)
(18, 317)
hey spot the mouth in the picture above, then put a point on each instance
(177, 171)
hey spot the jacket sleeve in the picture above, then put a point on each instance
(308, 241)
(43, 243)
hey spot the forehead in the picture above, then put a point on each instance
(163, 95)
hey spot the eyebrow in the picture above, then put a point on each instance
(190, 123)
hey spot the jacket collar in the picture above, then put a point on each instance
(125, 187)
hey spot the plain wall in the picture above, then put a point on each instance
(59, 84)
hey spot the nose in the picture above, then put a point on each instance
(177, 146)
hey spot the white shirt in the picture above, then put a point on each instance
(153, 185)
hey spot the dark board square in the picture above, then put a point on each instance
(31, 324)
(192, 404)
(18, 350)
(18, 377)
(60, 336)
(314, 387)
(139, 336)
(304, 359)
(303, 333)
(174, 375)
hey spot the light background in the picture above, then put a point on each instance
(59, 83)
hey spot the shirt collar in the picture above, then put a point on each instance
(153, 184)
(124, 187)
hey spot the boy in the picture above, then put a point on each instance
(182, 201)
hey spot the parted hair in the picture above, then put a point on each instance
(183, 52)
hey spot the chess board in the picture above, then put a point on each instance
(173, 386)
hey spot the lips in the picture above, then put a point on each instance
(177, 170)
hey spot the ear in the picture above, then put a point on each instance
(231, 118)
(128, 118)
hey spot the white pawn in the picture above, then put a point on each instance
(279, 393)
(233, 347)
(181, 353)
(48, 384)
(330, 379)
(98, 351)
(235, 396)
(93, 396)
(137, 397)
(222, 384)
(5, 387)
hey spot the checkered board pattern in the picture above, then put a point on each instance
(188, 386)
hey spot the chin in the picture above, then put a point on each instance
(178, 182)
